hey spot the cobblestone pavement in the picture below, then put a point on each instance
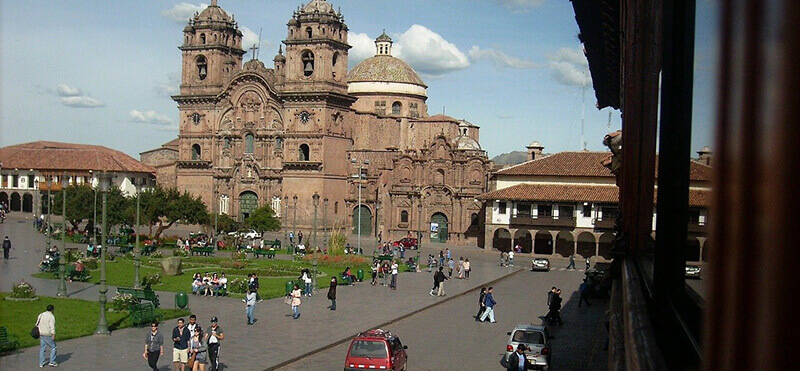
(275, 339)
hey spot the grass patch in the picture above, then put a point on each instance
(74, 317)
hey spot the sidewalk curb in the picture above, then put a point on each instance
(389, 322)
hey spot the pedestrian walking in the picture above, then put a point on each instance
(583, 290)
(291, 237)
(180, 346)
(571, 262)
(587, 264)
(332, 293)
(441, 258)
(481, 305)
(394, 275)
(376, 265)
(300, 238)
(296, 302)
(192, 325)
(460, 268)
(550, 294)
(215, 336)
(555, 308)
(250, 305)
(450, 266)
(438, 282)
(489, 302)
(518, 361)
(306, 278)
(6, 247)
(153, 346)
(46, 322)
(198, 347)
(467, 268)
(511, 258)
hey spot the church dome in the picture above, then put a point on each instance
(467, 143)
(384, 68)
(214, 13)
(319, 6)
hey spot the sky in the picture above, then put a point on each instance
(102, 72)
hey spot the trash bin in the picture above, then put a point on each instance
(289, 287)
(360, 275)
(181, 300)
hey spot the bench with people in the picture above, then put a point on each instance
(347, 277)
(210, 285)
(141, 294)
(77, 272)
(207, 251)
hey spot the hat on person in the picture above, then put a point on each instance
(214, 319)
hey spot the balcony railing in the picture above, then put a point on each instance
(607, 223)
(543, 221)
(697, 228)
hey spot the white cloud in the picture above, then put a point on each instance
(181, 12)
(428, 52)
(520, 5)
(570, 67)
(363, 47)
(65, 90)
(169, 87)
(501, 60)
(250, 38)
(81, 102)
(151, 117)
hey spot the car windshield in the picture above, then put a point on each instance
(368, 349)
(528, 337)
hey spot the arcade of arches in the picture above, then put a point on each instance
(18, 201)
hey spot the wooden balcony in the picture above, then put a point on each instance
(607, 223)
(542, 221)
(697, 228)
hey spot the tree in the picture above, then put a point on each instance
(263, 219)
(163, 207)
(80, 205)
(226, 224)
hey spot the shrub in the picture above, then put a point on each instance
(89, 263)
(238, 255)
(122, 302)
(151, 280)
(74, 255)
(337, 242)
(233, 264)
(23, 290)
(179, 252)
(157, 255)
(238, 285)
(127, 256)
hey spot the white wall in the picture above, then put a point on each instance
(498, 218)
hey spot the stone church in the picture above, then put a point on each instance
(252, 134)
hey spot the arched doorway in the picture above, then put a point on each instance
(474, 229)
(565, 244)
(523, 238)
(438, 227)
(502, 239)
(3, 198)
(27, 203)
(366, 220)
(544, 243)
(16, 202)
(248, 202)
(44, 204)
(606, 241)
(693, 249)
(586, 245)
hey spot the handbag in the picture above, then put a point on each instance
(287, 300)
(35, 329)
(190, 362)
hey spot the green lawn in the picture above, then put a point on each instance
(120, 272)
(74, 317)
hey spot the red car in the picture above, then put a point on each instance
(376, 350)
(407, 242)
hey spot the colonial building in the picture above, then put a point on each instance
(361, 140)
(26, 168)
(567, 203)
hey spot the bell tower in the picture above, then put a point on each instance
(212, 51)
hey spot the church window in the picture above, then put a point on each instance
(202, 67)
(196, 118)
(404, 216)
(196, 152)
(336, 207)
(439, 176)
(413, 110)
(380, 107)
(278, 143)
(248, 143)
(396, 106)
(203, 38)
(308, 63)
(308, 32)
(302, 152)
(323, 30)
(227, 143)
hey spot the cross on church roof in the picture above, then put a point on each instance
(253, 49)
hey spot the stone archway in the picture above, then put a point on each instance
(606, 241)
(27, 203)
(4, 198)
(502, 239)
(366, 220)
(523, 238)
(693, 249)
(543, 243)
(586, 245)
(248, 202)
(565, 244)
(439, 222)
(16, 202)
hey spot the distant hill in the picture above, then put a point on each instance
(511, 158)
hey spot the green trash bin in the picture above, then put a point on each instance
(181, 300)
(289, 287)
(360, 275)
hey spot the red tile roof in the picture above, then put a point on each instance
(56, 156)
(576, 193)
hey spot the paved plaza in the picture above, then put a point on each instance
(439, 332)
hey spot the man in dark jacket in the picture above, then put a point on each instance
(438, 280)
(481, 305)
(518, 360)
(555, 308)
(489, 302)
(584, 292)
(6, 247)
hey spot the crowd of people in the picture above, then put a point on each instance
(209, 285)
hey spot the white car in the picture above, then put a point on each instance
(251, 234)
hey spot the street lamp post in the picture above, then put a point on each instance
(419, 226)
(62, 281)
(360, 176)
(315, 197)
(325, 222)
(294, 222)
(102, 324)
(49, 206)
(94, 221)
(285, 221)
(215, 210)
(137, 283)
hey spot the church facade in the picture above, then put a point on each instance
(360, 140)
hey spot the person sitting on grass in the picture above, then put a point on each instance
(410, 263)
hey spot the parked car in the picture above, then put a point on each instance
(251, 234)
(407, 242)
(692, 271)
(540, 264)
(377, 350)
(537, 339)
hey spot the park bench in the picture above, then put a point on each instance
(140, 294)
(51, 267)
(382, 257)
(270, 253)
(202, 250)
(148, 249)
(170, 244)
(7, 341)
(276, 244)
(143, 313)
(77, 275)
(125, 249)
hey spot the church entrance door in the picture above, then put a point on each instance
(248, 202)
(366, 220)
(438, 228)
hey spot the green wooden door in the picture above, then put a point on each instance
(366, 220)
(438, 228)
(248, 202)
